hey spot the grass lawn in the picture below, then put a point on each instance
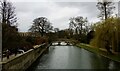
(114, 57)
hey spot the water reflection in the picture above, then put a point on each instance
(71, 57)
(61, 43)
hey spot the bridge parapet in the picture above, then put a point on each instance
(61, 43)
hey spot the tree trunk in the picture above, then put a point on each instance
(105, 11)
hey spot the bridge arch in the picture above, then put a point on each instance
(59, 42)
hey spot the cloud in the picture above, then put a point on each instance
(57, 0)
(64, 12)
(57, 12)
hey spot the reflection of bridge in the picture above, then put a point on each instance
(62, 42)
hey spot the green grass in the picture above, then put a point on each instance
(114, 57)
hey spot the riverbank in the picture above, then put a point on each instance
(23, 61)
(115, 57)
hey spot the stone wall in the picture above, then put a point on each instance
(23, 61)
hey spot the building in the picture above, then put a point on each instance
(25, 34)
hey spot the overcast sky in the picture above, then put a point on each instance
(58, 13)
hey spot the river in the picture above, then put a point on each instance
(72, 57)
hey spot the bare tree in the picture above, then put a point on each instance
(119, 9)
(77, 24)
(56, 30)
(72, 26)
(7, 12)
(105, 7)
(41, 25)
(80, 23)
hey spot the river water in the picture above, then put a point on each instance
(71, 57)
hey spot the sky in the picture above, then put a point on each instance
(57, 12)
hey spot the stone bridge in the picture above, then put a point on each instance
(62, 42)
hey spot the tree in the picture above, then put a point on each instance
(71, 26)
(77, 23)
(119, 9)
(90, 35)
(80, 23)
(77, 26)
(56, 30)
(107, 35)
(7, 12)
(41, 25)
(105, 7)
(10, 37)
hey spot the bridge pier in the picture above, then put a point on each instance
(59, 43)
(68, 43)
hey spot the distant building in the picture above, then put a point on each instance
(25, 34)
